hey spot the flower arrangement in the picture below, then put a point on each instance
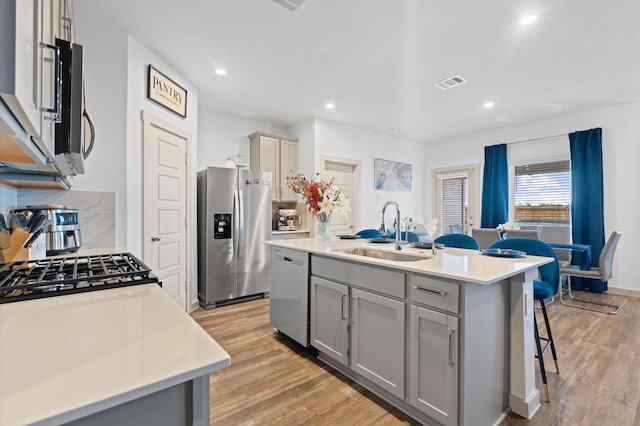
(322, 197)
(508, 226)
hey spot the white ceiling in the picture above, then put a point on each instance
(378, 60)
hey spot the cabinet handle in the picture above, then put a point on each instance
(428, 290)
(342, 314)
(452, 360)
(57, 87)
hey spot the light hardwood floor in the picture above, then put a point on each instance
(274, 382)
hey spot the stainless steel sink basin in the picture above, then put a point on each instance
(386, 255)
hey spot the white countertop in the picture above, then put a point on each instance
(68, 356)
(297, 231)
(459, 264)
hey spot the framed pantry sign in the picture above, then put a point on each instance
(166, 92)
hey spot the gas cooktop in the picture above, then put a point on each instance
(65, 275)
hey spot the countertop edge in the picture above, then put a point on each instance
(217, 359)
(134, 394)
(428, 266)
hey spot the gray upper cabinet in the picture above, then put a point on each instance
(22, 70)
(29, 76)
(278, 155)
(30, 84)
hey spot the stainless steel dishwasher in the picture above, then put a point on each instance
(289, 298)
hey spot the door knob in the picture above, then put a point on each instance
(154, 239)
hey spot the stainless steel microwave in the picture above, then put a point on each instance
(70, 151)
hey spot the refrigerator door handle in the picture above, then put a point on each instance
(240, 221)
(236, 222)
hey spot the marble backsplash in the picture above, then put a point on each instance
(96, 212)
(8, 198)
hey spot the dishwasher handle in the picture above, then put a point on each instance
(288, 259)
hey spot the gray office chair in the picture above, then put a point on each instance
(522, 233)
(455, 229)
(602, 273)
(485, 236)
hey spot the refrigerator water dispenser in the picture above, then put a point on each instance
(221, 226)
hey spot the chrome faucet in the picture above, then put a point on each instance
(382, 227)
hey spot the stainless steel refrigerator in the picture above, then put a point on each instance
(234, 217)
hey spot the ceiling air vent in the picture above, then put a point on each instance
(450, 82)
(291, 5)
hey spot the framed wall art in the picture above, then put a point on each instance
(392, 175)
(166, 92)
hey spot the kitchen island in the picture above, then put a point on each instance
(447, 338)
(127, 355)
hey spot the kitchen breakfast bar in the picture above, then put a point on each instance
(445, 337)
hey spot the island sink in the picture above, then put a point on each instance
(386, 255)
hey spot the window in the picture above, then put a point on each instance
(542, 199)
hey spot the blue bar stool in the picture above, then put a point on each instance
(458, 240)
(547, 286)
(369, 233)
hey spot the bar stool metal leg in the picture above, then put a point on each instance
(549, 336)
(540, 358)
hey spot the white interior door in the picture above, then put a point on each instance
(165, 205)
(347, 175)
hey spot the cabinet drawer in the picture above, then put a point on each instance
(377, 279)
(435, 292)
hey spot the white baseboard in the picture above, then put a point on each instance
(623, 291)
(194, 306)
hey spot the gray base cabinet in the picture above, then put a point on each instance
(435, 348)
(360, 329)
(329, 319)
(433, 364)
(377, 340)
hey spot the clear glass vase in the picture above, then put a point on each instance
(323, 229)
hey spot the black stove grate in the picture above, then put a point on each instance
(65, 275)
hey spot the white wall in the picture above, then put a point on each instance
(342, 140)
(115, 81)
(305, 131)
(621, 151)
(105, 81)
(139, 59)
(222, 135)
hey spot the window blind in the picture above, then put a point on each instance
(543, 192)
(455, 201)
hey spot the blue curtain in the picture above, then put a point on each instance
(587, 199)
(495, 187)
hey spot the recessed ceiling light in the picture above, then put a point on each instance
(220, 71)
(526, 20)
(488, 104)
(329, 106)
